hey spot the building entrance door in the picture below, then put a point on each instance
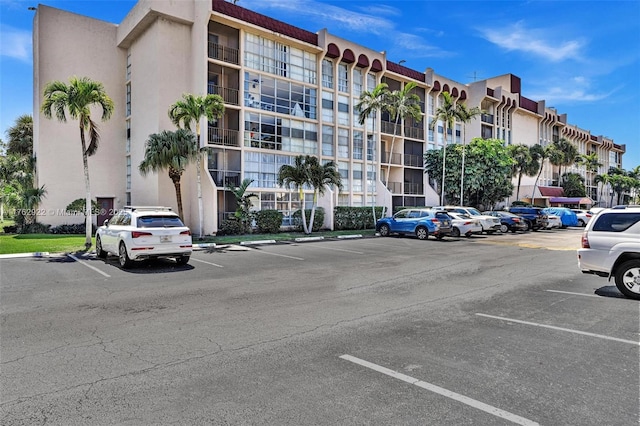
(105, 209)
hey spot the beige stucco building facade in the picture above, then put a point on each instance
(287, 92)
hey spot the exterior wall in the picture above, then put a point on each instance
(66, 45)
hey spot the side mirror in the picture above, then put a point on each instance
(106, 222)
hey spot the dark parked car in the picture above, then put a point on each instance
(509, 221)
(420, 222)
(533, 216)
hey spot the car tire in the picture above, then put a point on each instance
(385, 231)
(422, 233)
(455, 232)
(123, 257)
(99, 252)
(504, 228)
(628, 278)
(182, 260)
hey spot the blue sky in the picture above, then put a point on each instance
(582, 57)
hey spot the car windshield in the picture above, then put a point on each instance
(159, 222)
(474, 212)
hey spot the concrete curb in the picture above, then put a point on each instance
(304, 239)
(18, 255)
(257, 242)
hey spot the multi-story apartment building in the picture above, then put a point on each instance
(287, 91)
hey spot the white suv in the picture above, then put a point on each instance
(490, 224)
(139, 233)
(611, 248)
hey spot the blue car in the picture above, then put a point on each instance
(421, 222)
(567, 217)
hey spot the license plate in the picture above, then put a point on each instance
(165, 238)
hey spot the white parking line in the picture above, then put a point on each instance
(575, 294)
(89, 266)
(337, 249)
(569, 330)
(441, 391)
(281, 255)
(208, 263)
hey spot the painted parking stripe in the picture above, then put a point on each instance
(575, 294)
(278, 254)
(208, 263)
(337, 249)
(82, 262)
(442, 391)
(568, 330)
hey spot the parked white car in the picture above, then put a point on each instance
(584, 216)
(489, 224)
(139, 233)
(611, 248)
(554, 221)
(464, 225)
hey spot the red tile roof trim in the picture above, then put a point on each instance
(407, 72)
(235, 11)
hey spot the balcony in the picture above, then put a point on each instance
(223, 53)
(230, 96)
(390, 128)
(225, 178)
(486, 118)
(394, 187)
(412, 160)
(390, 158)
(225, 137)
(413, 188)
(414, 133)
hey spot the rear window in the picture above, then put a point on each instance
(159, 222)
(616, 222)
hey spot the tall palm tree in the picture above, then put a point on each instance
(171, 151)
(369, 104)
(465, 115)
(321, 176)
(592, 165)
(565, 154)
(401, 104)
(539, 154)
(191, 109)
(296, 176)
(20, 136)
(77, 98)
(523, 164)
(446, 113)
(601, 179)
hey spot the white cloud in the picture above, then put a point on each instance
(417, 46)
(15, 43)
(540, 42)
(578, 89)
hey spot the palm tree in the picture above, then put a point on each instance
(538, 155)
(369, 104)
(320, 177)
(296, 176)
(243, 212)
(192, 109)
(170, 151)
(564, 154)
(601, 179)
(523, 164)
(401, 104)
(465, 115)
(77, 98)
(20, 136)
(447, 114)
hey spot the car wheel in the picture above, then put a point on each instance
(123, 257)
(422, 233)
(385, 231)
(99, 252)
(530, 226)
(628, 278)
(504, 228)
(182, 260)
(455, 232)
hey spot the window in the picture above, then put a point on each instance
(128, 172)
(128, 106)
(159, 222)
(327, 74)
(343, 169)
(270, 94)
(358, 82)
(371, 148)
(327, 107)
(343, 78)
(343, 110)
(279, 59)
(357, 145)
(327, 141)
(128, 74)
(357, 177)
(343, 143)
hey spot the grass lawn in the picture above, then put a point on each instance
(30, 243)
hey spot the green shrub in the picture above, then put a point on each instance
(231, 226)
(76, 228)
(318, 219)
(354, 217)
(269, 221)
(34, 228)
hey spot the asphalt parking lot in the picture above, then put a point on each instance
(490, 330)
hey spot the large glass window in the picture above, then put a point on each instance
(357, 177)
(276, 58)
(327, 107)
(327, 73)
(263, 168)
(371, 147)
(343, 169)
(358, 82)
(343, 110)
(343, 78)
(327, 141)
(284, 97)
(357, 145)
(268, 132)
(343, 143)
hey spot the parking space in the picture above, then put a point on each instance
(355, 331)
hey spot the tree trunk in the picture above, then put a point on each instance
(444, 164)
(175, 178)
(199, 184)
(87, 187)
(313, 212)
(519, 182)
(302, 213)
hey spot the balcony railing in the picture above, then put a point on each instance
(225, 178)
(389, 158)
(230, 96)
(390, 128)
(413, 188)
(223, 53)
(217, 136)
(394, 187)
(414, 133)
(486, 118)
(413, 160)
